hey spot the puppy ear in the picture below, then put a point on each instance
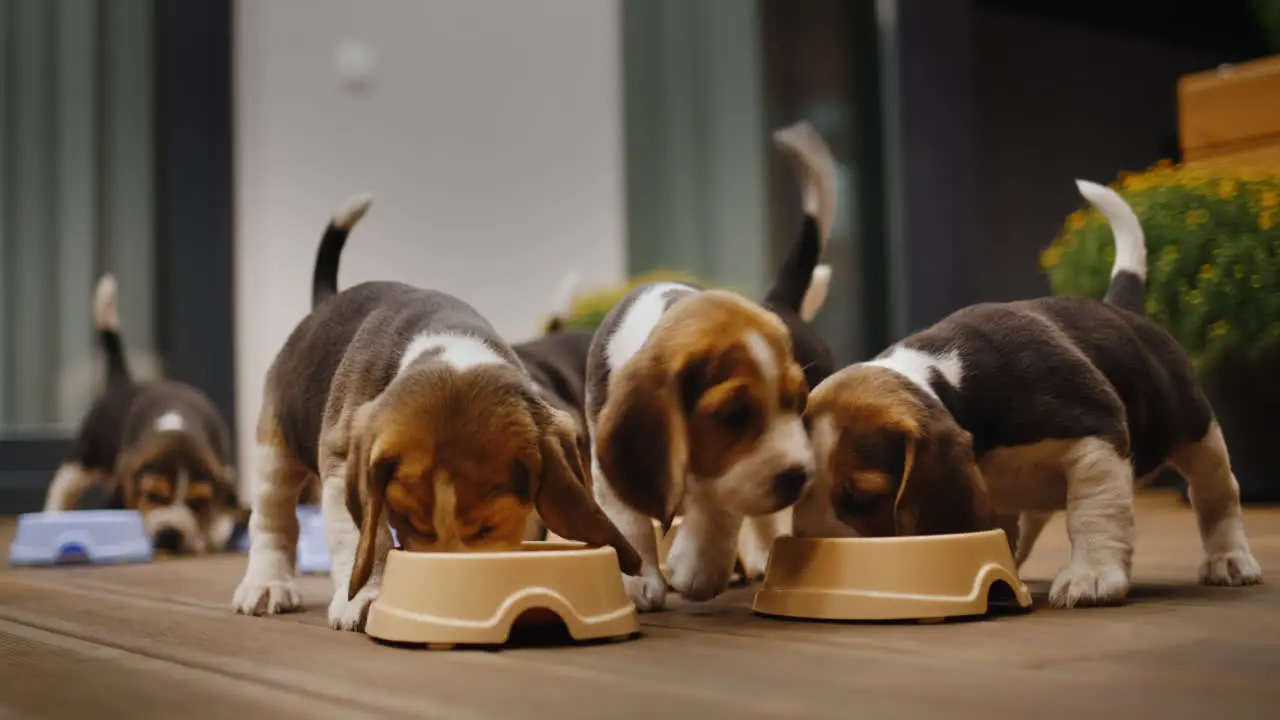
(563, 497)
(366, 494)
(124, 480)
(942, 490)
(640, 439)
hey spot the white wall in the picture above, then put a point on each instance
(490, 137)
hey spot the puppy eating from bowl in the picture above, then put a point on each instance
(1004, 413)
(416, 416)
(694, 402)
(161, 448)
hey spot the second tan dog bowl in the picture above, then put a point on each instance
(898, 578)
(445, 599)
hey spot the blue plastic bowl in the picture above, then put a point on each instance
(313, 547)
(99, 537)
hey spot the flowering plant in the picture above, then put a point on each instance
(1213, 245)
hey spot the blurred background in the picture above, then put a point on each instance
(197, 149)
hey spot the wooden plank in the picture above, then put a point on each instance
(1230, 109)
(1178, 650)
(41, 671)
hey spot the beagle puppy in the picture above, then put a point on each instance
(1003, 413)
(418, 418)
(694, 403)
(161, 448)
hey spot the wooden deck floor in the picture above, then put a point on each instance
(159, 640)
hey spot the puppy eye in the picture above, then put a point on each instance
(858, 502)
(484, 532)
(198, 504)
(735, 414)
(155, 498)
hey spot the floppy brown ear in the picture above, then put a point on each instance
(640, 440)
(366, 495)
(563, 496)
(123, 479)
(942, 490)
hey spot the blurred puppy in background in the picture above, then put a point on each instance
(160, 447)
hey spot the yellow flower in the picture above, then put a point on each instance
(1269, 198)
(1050, 258)
(1227, 188)
(1264, 221)
(1196, 218)
(1195, 297)
(1075, 221)
(1238, 271)
(1219, 328)
(1206, 272)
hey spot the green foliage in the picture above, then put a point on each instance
(1267, 15)
(1213, 247)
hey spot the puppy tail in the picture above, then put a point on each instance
(324, 281)
(819, 284)
(562, 301)
(106, 320)
(1129, 273)
(809, 153)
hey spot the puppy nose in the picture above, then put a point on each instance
(167, 539)
(788, 484)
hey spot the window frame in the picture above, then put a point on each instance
(195, 215)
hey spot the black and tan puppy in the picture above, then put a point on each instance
(1003, 413)
(161, 448)
(694, 399)
(557, 363)
(415, 415)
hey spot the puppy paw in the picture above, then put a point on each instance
(1084, 583)
(647, 592)
(696, 580)
(1231, 568)
(261, 596)
(754, 563)
(351, 614)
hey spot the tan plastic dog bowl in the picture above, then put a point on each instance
(446, 599)
(898, 578)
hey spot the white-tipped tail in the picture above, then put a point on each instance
(1131, 244)
(812, 158)
(566, 291)
(352, 211)
(106, 313)
(816, 295)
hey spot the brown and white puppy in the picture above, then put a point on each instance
(694, 400)
(417, 417)
(162, 448)
(1004, 413)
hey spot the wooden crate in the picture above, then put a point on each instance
(1231, 115)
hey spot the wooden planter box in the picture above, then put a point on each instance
(1231, 115)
